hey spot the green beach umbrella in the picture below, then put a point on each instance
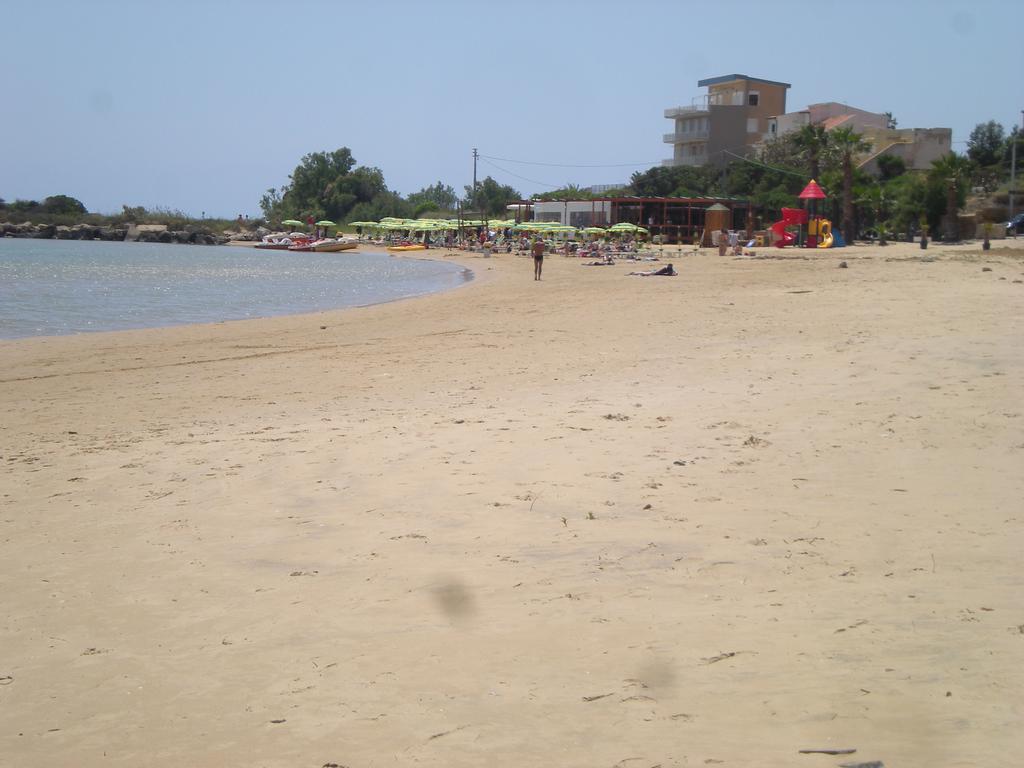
(326, 223)
(292, 223)
(625, 226)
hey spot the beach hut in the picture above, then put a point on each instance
(715, 217)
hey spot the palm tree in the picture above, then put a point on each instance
(813, 141)
(954, 171)
(848, 145)
(879, 201)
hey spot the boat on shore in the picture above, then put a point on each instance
(419, 247)
(282, 241)
(326, 245)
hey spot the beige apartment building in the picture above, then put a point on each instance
(917, 147)
(728, 120)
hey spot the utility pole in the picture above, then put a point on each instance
(475, 156)
(1013, 169)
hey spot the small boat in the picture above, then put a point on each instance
(282, 242)
(420, 247)
(327, 245)
(338, 245)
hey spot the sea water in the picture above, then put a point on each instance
(56, 287)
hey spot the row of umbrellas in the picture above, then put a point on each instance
(438, 225)
(297, 223)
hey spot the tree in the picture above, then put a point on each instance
(890, 121)
(490, 197)
(784, 152)
(427, 206)
(878, 200)
(313, 180)
(813, 141)
(62, 204)
(270, 203)
(848, 145)
(568, 192)
(440, 195)
(890, 166)
(654, 182)
(953, 171)
(985, 144)
(389, 203)
(328, 185)
(680, 180)
(909, 194)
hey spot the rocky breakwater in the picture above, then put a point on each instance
(142, 233)
(161, 233)
(60, 232)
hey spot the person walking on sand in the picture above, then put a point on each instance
(723, 241)
(538, 257)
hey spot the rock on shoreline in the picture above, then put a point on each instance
(143, 233)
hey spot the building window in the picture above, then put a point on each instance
(752, 98)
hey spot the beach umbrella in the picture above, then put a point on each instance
(625, 226)
(326, 223)
(292, 223)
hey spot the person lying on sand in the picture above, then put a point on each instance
(667, 271)
(604, 262)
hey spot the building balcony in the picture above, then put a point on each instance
(694, 109)
(683, 138)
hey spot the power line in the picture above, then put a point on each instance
(763, 165)
(532, 181)
(577, 165)
(487, 159)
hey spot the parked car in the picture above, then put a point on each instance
(1015, 226)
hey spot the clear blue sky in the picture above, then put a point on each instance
(201, 106)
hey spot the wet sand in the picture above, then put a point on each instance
(764, 506)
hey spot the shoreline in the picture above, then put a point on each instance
(468, 275)
(763, 506)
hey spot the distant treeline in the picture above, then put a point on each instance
(63, 210)
(329, 185)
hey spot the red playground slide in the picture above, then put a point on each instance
(790, 217)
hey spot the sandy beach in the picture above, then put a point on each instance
(765, 506)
